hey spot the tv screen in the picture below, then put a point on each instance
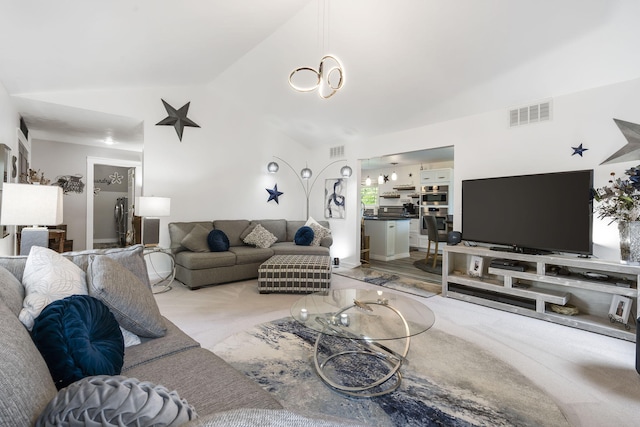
(547, 212)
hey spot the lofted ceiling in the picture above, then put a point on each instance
(408, 63)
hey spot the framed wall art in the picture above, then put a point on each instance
(335, 191)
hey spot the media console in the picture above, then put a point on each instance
(540, 281)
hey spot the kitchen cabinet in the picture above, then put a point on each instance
(435, 176)
(389, 239)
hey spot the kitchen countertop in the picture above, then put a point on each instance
(389, 218)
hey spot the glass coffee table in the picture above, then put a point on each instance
(364, 337)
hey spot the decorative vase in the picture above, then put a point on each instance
(629, 242)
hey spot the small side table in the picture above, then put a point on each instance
(164, 283)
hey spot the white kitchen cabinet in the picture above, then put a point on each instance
(435, 176)
(389, 239)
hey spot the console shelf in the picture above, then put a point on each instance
(588, 284)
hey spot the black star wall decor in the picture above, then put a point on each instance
(274, 194)
(177, 118)
(578, 150)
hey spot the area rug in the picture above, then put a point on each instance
(390, 281)
(447, 381)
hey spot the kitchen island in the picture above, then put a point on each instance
(389, 237)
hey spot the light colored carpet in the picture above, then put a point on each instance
(448, 381)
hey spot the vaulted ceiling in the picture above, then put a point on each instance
(407, 63)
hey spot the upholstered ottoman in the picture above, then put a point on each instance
(295, 274)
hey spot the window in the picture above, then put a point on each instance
(369, 195)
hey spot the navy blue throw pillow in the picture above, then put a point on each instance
(218, 241)
(78, 337)
(304, 236)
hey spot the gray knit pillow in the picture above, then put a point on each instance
(115, 401)
(260, 237)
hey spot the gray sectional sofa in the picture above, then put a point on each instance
(241, 261)
(216, 391)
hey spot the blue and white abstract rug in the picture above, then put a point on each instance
(446, 382)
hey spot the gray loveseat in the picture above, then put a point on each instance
(241, 261)
(221, 395)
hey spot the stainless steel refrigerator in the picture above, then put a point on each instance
(121, 214)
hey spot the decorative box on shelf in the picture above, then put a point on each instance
(390, 195)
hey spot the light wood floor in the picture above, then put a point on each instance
(405, 267)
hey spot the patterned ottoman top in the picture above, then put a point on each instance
(315, 262)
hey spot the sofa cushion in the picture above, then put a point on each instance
(150, 349)
(218, 241)
(11, 291)
(304, 236)
(48, 277)
(131, 301)
(196, 240)
(200, 261)
(233, 228)
(116, 401)
(178, 231)
(78, 337)
(131, 257)
(294, 225)
(260, 237)
(319, 232)
(290, 248)
(25, 380)
(197, 369)
(251, 255)
(277, 227)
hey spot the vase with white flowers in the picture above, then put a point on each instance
(620, 202)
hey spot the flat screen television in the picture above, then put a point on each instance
(550, 212)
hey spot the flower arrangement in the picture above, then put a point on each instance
(620, 200)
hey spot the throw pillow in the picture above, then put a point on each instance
(248, 230)
(196, 240)
(304, 236)
(78, 337)
(260, 237)
(130, 339)
(131, 302)
(116, 401)
(48, 276)
(218, 241)
(319, 232)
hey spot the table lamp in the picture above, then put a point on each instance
(151, 208)
(31, 204)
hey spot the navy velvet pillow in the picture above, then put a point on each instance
(304, 236)
(78, 337)
(218, 241)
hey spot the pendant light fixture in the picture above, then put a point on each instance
(329, 77)
(380, 179)
(394, 175)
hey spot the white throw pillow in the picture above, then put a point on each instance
(260, 237)
(130, 339)
(319, 232)
(48, 277)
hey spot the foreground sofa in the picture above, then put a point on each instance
(201, 267)
(211, 386)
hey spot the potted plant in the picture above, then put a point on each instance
(620, 202)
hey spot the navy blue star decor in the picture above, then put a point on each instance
(274, 194)
(578, 150)
(177, 118)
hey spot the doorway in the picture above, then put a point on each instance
(112, 185)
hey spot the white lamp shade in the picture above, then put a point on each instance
(28, 204)
(151, 206)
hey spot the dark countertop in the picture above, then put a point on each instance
(388, 218)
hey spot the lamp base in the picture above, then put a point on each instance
(33, 236)
(151, 231)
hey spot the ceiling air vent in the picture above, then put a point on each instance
(335, 152)
(530, 114)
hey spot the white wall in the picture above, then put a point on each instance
(219, 170)
(484, 146)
